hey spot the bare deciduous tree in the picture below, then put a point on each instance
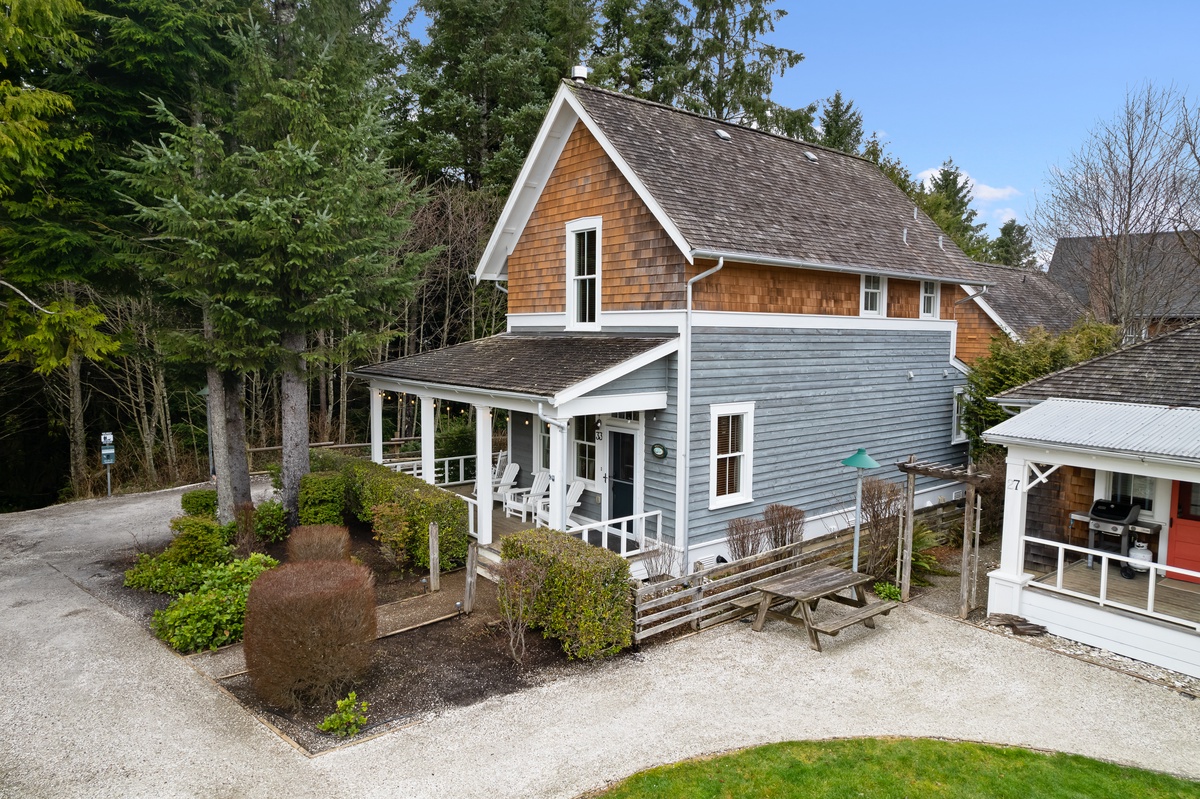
(1128, 196)
(520, 583)
(882, 504)
(745, 537)
(783, 525)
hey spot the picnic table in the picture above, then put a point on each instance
(803, 588)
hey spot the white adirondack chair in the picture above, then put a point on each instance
(523, 501)
(574, 497)
(506, 483)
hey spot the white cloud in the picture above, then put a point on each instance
(1002, 215)
(990, 194)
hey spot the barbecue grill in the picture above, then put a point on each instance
(1109, 517)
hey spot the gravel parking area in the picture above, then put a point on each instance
(92, 706)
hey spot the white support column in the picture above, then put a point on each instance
(483, 472)
(1007, 582)
(428, 428)
(376, 425)
(559, 460)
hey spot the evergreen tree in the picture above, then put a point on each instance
(730, 70)
(476, 85)
(636, 51)
(841, 125)
(1013, 247)
(947, 201)
(893, 167)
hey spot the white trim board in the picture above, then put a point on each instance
(978, 296)
(738, 319)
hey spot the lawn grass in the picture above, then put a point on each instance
(900, 768)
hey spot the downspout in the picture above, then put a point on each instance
(685, 421)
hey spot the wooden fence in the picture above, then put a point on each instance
(710, 597)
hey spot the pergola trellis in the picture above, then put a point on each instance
(960, 474)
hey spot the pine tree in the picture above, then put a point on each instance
(637, 48)
(1013, 246)
(947, 201)
(841, 125)
(893, 167)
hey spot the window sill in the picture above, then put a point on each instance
(716, 503)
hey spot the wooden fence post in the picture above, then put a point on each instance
(964, 599)
(910, 501)
(472, 570)
(435, 571)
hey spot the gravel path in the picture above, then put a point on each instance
(91, 706)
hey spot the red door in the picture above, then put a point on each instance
(1183, 539)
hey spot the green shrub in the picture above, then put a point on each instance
(887, 591)
(322, 498)
(403, 523)
(584, 600)
(269, 522)
(198, 544)
(347, 720)
(367, 485)
(200, 502)
(213, 614)
(455, 440)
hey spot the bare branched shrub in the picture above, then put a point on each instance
(310, 630)
(661, 562)
(318, 542)
(783, 525)
(991, 494)
(520, 583)
(882, 506)
(745, 537)
(245, 541)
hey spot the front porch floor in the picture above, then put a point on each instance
(1171, 597)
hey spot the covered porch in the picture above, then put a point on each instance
(1134, 590)
(577, 408)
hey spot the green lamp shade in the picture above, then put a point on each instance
(860, 460)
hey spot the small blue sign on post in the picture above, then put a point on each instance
(108, 455)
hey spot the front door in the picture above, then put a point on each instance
(1183, 539)
(621, 475)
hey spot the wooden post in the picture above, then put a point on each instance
(435, 571)
(472, 569)
(910, 501)
(964, 604)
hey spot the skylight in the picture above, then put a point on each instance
(723, 135)
(810, 156)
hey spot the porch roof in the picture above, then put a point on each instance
(1152, 431)
(550, 367)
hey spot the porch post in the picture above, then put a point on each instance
(483, 472)
(1015, 504)
(559, 443)
(376, 425)
(428, 428)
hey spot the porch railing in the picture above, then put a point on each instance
(634, 534)
(459, 470)
(1102, 598)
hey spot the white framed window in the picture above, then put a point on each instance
(731, 454)
(583, 449)
(583, 273)
(929, 299)
(541, 445)
(958, 435)
(1136, 489)
(873, 301)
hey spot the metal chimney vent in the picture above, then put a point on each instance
(579, 73)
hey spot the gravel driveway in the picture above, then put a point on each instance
(91, 706)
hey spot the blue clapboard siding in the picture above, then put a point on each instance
(651, 377)
(819, 395)
(520, 437)
(660, 428)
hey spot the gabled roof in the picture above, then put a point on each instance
(1022, 299)
(1165, 265)
(748, 195)
(542, 366)
(1161, 371)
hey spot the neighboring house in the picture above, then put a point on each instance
(704, 319)
(1017, 301)
(1123, 427)
(1153, 278)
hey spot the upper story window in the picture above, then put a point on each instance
(731, 454)
(958, 433)
(929, 299)
(583, 273)
(874, 295)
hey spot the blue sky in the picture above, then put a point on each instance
(1006, 89)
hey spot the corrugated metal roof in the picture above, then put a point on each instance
(1153, 430)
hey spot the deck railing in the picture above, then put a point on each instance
(634, 534)
(456, 471)
(1102, 598)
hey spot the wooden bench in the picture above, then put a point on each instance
(863, 615)
(750, 603)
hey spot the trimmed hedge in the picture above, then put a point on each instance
(403, 523)
(198, 545)
(270, 524)
(322, 498)
(585, 601)
(213, 614)
(310, 630)
(318, 542)
(200, 502)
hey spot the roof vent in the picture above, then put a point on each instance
(579, 73)
(941, 244)
(914, 212)
(810, 156)
(723, 135)
(905, 234)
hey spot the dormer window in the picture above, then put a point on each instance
(929, 299)
(583, 273)
(874, 295)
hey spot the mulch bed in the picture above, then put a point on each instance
(450, 663)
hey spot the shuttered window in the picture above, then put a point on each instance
(731, 453)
